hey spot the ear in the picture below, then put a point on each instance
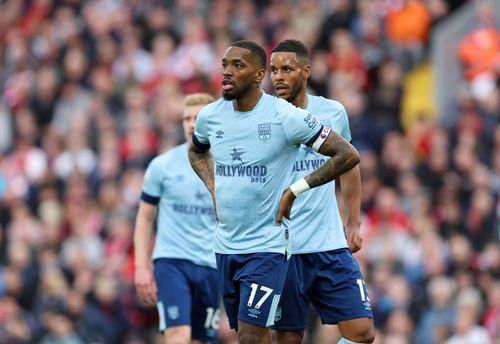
(307, 71)
(259, 76)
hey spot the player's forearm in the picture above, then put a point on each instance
(350, 183)
(203, 165)
(142, 238)
(343, 157)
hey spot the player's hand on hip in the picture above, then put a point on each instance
(353, 236)
(145, 285)
(285, 206)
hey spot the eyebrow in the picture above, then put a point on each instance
(232, 60)
(286, 65)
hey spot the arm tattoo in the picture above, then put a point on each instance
(343, 157)
(203, 164)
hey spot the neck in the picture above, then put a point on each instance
(247, 103)
(301, 100)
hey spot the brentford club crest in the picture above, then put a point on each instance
(173, 312)
(264, 131)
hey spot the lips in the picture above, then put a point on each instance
(227, 85)
(280, 89)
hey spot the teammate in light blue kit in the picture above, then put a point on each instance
(244, 148)
(184, 285)
(322, 269)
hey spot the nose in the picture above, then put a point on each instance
(192, 123)
(278, 76)
(227, 71)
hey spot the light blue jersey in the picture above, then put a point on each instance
(316, 223)
(186, 217)
(253, 154)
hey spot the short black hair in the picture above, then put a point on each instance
(293, 46)
(255, 50)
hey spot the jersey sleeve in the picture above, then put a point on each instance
(200, 134)
(300, 126)
(152, 186)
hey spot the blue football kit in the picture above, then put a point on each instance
(184, 264)
(253, 155)
(322, 269)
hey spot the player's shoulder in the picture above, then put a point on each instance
(325, 103)
(169, 155)
(284, 109)
(213, 107)
(282, 103)
(177, 150)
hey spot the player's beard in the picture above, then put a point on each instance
(294, 93)
(238, 95)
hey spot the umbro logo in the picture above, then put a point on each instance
(218, 134)
(253, 312)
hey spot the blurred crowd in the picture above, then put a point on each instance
(92, 90)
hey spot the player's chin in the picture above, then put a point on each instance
(282, 93)
(227, 95)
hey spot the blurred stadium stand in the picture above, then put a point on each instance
(91, 90)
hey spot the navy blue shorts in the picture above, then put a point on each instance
(331, 281)
(188, 294)
(251, 286)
